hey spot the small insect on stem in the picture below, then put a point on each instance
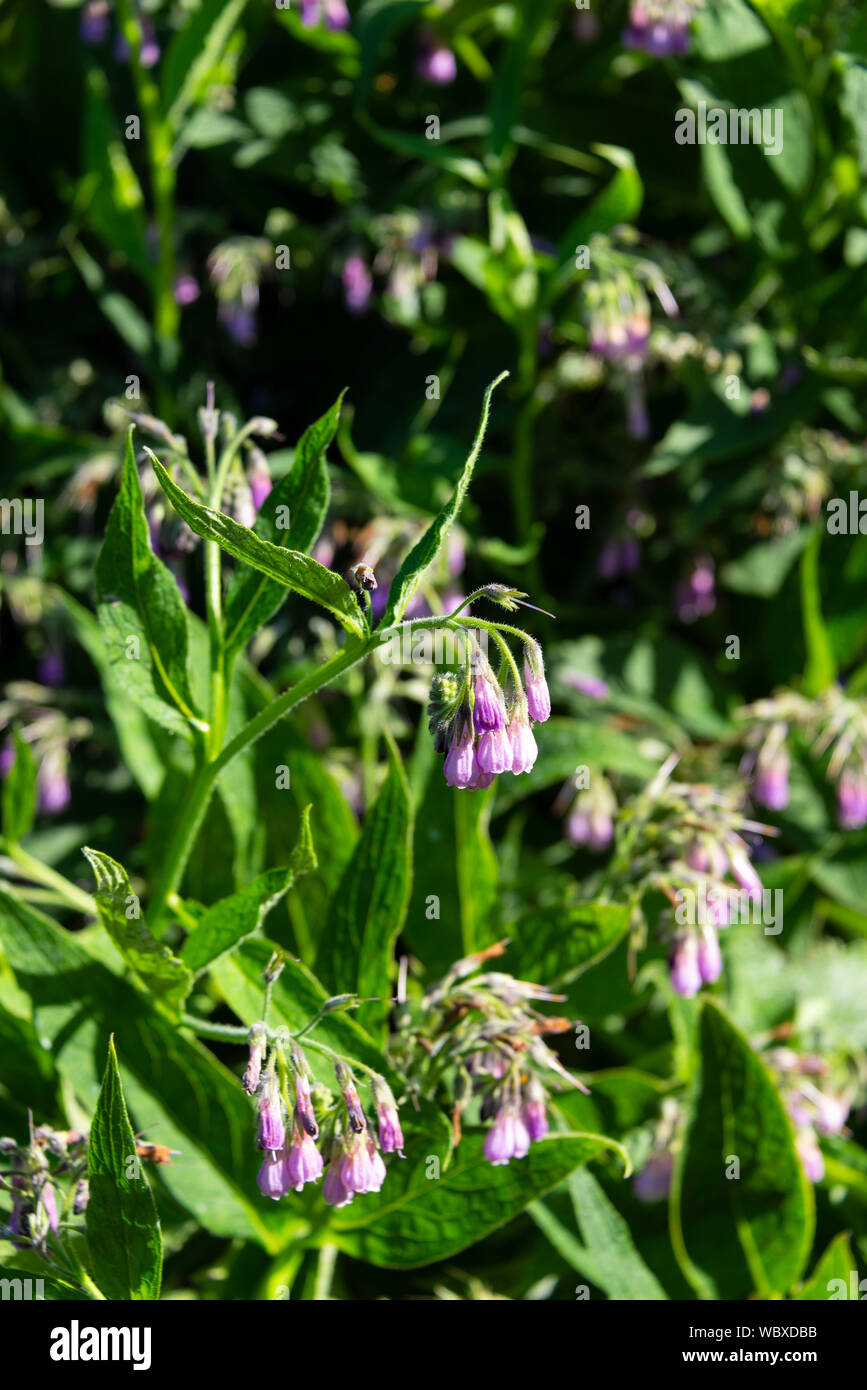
(155, 1153)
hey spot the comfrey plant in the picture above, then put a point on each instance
(481, 721)
(48, 1182)
(833, 723)
(274, 557)
(306, 1129)
(692, 843)
(818, 1095)
(660, 27)
(479, 1040)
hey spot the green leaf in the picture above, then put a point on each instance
(141, 612)
(426, 550)
(432, 152)
(555, 944)
(152, 963)
(419, 1218)
(110, 196)
(290, 568)
(821, 670)
(134, 734)
(476, 867)
(752, 1233)
(19, 793)
(303, 495)
(619, 202)
(123, 1230)
(620, 1269)
(227, 923)
(762, 569)
(194, 52)
(834, 1267)
(367, 910)
(173, 1085)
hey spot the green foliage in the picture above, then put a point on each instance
(123, 1230)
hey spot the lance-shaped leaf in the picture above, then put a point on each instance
(301, 500)
(123, 1229)
(831, 1279)
(19, 793)
(367, 910)
(152, 963)
(194, 54)
(425, 550)
(290, 568)
(428, 1211)
(141, 612)
(742, 1209)
(227, 923)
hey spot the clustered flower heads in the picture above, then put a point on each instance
(482, 1028)
(816, 1105)
(591, 811)
(652, 1181)
(49, 734)
(834, 723)
(688, 841)
(660, 27)
(484, 729)
(297, 1150)
(53, 1165)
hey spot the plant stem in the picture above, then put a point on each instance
(202, 785)
(228, 1032)
(71, 894)
(324, 1273)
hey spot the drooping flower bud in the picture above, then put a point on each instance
(362, 1169)
(273, 1179)
(303, 1160)
(538, 695)
(810, 1155)
(523, 744)
(771, 777)
(684, 967)
(272, 1130)
(303, 1103)
(507, 1138)
(258, 476)
(436, 63)
(388, 1121)
(487, 705)
(334, 1190)
(460, 758)
(709, 956)
(357, 283)
(852, 799)
(346, 1082)
(494, 753)
(533, 1110)
(258, 1042)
